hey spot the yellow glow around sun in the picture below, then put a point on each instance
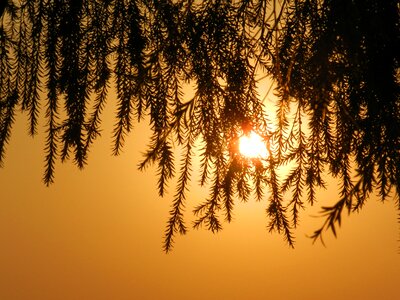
(252, 146)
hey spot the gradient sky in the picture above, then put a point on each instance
(97, 234)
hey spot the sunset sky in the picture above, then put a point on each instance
(97, 234)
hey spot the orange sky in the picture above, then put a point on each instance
(97, 234)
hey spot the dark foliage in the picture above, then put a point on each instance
(334, 64)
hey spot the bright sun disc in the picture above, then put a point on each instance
(252, 146)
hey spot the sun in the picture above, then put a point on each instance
(252, 146)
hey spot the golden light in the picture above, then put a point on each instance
(252, 146)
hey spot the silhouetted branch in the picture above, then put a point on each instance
(333, 65)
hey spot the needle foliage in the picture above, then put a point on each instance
(333, 66)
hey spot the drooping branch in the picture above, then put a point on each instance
(334, 114)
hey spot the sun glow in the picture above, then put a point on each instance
(252, 146)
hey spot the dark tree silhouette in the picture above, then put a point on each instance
(335, 71)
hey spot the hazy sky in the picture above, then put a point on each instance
(97, 234)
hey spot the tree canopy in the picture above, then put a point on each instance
(333, 64)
